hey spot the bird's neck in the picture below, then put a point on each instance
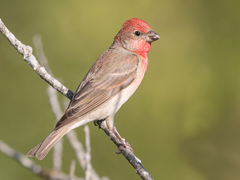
(141, 49)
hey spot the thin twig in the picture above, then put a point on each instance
(37, 41)
(87, 154)
(26, 51)
(80, 153)
(31, 166)
(77, 147)
(58, 148)
(72, 170)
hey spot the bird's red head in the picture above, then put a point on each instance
(136, 36)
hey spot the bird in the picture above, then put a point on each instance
(109, 83)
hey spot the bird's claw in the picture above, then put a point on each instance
(95, 122)
(123, 145)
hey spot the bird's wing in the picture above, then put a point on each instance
(108, 76)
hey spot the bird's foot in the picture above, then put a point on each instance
(122, 141)
(95, 122)
(98, 123)
(123, 145)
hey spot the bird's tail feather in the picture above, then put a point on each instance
(41, 150)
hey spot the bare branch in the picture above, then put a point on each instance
(26, 51)
(31, 166)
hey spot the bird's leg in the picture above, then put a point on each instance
(123, 143)
(110, 124)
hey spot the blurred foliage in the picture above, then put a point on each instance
(184, 120)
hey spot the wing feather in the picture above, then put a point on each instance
(107, 77)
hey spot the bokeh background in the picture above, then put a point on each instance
(184, 120)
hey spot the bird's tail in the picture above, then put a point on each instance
(41, 150)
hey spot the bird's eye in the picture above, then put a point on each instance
(137, 33)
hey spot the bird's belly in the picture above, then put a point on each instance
(110, 107)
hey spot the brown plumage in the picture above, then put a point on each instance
(112, 79)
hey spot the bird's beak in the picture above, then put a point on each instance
(152, 36)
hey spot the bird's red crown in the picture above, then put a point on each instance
(137, 24)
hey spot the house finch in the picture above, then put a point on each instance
(109, 83)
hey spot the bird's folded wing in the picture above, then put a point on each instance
(104, 80)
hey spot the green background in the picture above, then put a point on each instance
(184, 120)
